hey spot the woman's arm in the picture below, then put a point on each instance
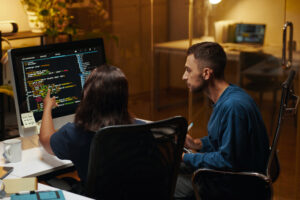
(47, 126)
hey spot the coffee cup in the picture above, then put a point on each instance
(12, 150)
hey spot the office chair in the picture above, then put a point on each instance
(136, 161)
(261, 73)
(216, 184)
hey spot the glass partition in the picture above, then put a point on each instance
(251, 33)
(170, 95)
(289, 144)
(260, 67)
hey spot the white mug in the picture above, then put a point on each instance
(12, 150)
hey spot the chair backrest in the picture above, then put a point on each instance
(273, 168)
(136, 161)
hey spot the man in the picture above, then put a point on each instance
(237, 139)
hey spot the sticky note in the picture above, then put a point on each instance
(28, 120)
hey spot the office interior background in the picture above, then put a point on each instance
(140, 38)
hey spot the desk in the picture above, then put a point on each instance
(35, 160)
(232, 50)
(268, 70)
(67, 195)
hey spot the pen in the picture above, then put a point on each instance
(187, 150)
(190, 126)
(25, 192)
(184, 148)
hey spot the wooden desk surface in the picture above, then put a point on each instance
(22, 35)
(232, 50)
(178, 46)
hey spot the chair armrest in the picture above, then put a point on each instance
(221, 172)
(141, 121)
(217, 184)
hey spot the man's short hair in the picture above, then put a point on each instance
(212, 54)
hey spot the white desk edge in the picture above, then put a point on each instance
(35, 162)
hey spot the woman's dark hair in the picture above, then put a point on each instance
(104, 100)
(211, 53)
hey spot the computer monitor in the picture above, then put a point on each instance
(250, 33)
(62, 67)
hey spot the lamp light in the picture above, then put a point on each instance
(214, 1)
(208, 7)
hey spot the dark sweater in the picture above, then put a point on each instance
(237, 139)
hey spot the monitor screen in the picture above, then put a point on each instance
(250, 33)
(61, 67)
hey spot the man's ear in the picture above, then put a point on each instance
(207, 73)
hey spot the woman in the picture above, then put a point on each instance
(104, 103)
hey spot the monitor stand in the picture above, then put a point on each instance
(58, 123)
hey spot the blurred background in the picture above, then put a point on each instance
(148, 40)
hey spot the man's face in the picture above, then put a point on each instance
(193, 75)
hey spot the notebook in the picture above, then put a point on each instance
(43, 195)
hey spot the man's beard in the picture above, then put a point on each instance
(201, 87)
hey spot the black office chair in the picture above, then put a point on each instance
(136, 161)
(261, 73)
(215, 184)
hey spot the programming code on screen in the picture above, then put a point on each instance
(63, 72)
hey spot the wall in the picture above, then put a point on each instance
(178, 30)
(293, 15)
(269, 12)
(14, 10)
(14, 6)
(131, 23)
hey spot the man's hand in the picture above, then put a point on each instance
(49, 102)
(192, 143)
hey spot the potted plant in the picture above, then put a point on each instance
(50, 16)
(56, 18)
